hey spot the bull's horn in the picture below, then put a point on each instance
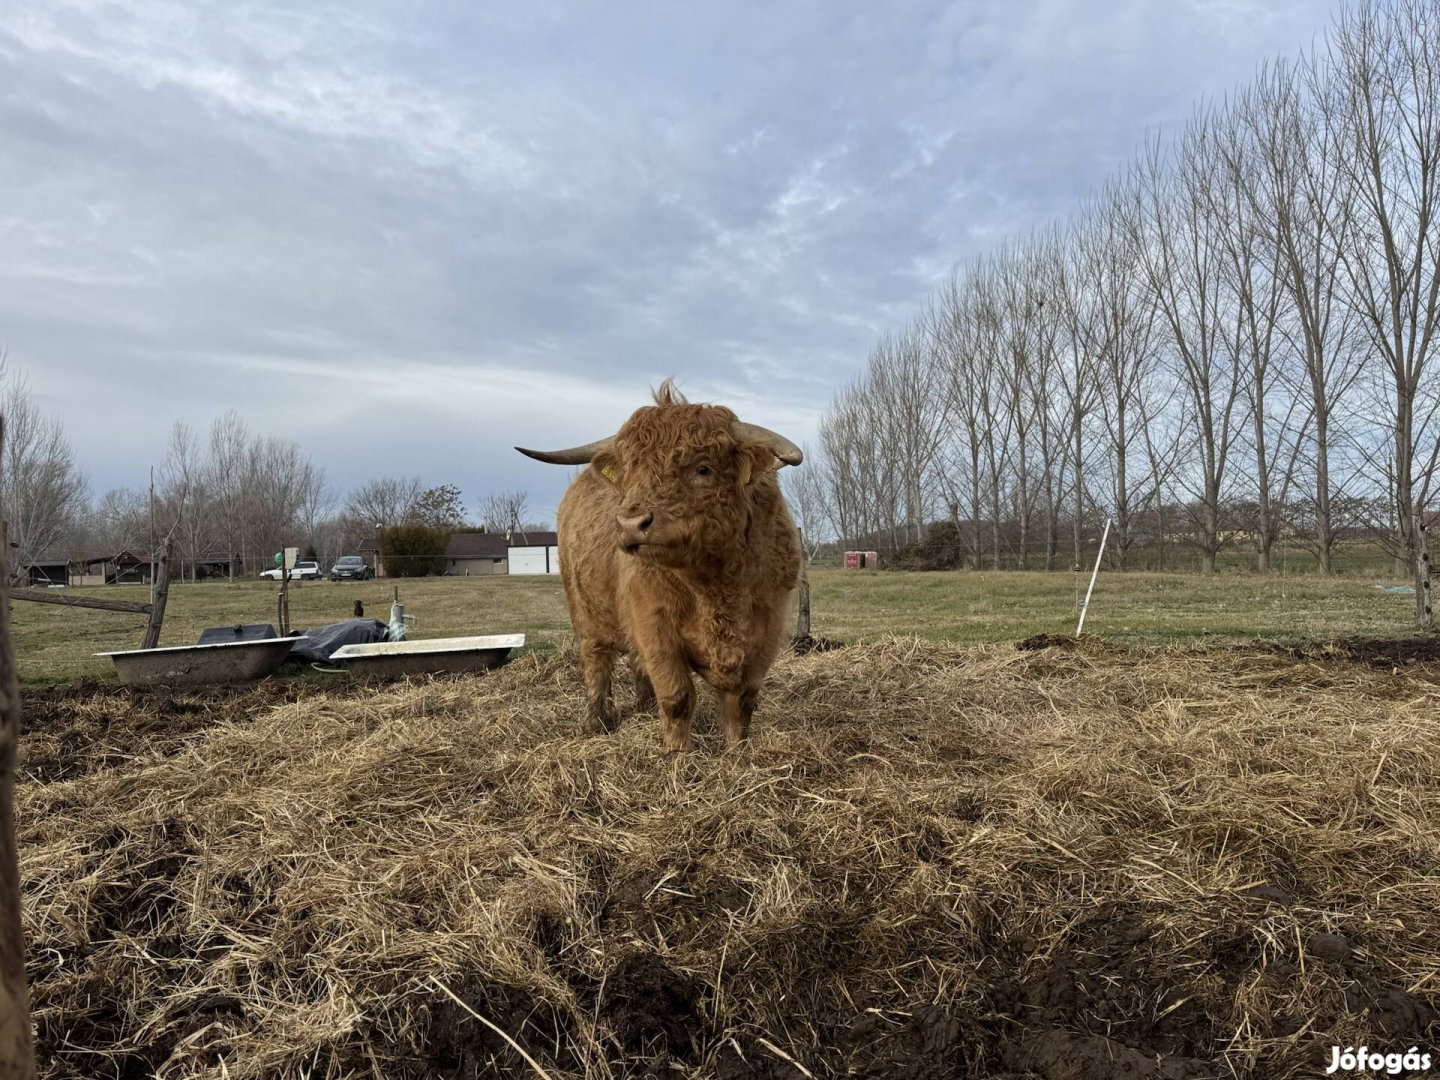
(782, 447)
(576, 455)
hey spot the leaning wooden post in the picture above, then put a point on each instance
(1424, 611)
(802, 613)
(17, 1052)
(159, 593)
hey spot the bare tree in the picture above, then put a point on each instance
(278, 476)
(1384, 85)
(1249, 272)
(504, 511)
(119, 520)
(184, 497)
(42, 491)
(384, 502)
(901, 383)
(1297, 195)
(804, 491)
(317, 499)
(1084, 342)
(966, 367)
(1124, 332)
(225, 478)
(1181, 250)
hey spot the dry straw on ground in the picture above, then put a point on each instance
(1066, 862)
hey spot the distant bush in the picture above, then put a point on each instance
(939, 551)
(413, 550)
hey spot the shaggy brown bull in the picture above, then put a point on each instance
(677, 549)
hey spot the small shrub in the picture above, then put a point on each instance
(413, 550)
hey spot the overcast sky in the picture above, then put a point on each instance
(410, 235)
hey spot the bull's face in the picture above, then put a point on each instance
(685, 474)
(685, 480)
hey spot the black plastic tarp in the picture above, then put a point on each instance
(322, 641)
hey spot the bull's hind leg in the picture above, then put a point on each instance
(597, 665)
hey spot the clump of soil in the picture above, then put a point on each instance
(1047, 641)
(1373, 652)
(811, 644)
(929, 861)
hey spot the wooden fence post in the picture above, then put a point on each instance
(802, 612)
(17, 1052)
(159, 593)
(1423, 610)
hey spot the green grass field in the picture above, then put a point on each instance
(56, 644)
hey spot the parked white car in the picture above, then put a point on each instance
(304, 570)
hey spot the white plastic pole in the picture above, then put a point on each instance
(1085, 608)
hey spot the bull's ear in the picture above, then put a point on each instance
(755, 461)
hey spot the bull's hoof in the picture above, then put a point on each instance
(600, 723)
(677, 738)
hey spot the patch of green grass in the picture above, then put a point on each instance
(1139, 608)
(55, 644)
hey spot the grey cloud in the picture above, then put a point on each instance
(505, 225)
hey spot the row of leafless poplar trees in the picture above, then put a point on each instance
(1231, 343)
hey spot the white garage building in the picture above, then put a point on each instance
(535, 553)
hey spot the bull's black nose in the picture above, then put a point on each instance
(638, 523)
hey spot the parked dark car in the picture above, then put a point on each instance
(350, 567)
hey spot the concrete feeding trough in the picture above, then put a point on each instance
(197, 665)
(436, 656)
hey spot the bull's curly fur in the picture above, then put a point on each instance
(707, 589)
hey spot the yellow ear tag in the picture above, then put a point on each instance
(609, 473)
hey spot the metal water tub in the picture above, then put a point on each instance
(433, 656)
(201, 665)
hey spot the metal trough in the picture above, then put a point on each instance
(435, 656)
(197, 665)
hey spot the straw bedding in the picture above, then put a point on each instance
(1067, 862)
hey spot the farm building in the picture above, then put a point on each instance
(124, 568)
(499, 553)
(481, 554)
(534, 553)
(43, 572)
(472, 554)
(210, 564)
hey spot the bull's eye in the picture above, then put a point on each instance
(702, 470)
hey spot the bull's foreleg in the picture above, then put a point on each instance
(676, 694)
(644, 689)
(736, 711)
(597, 665)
